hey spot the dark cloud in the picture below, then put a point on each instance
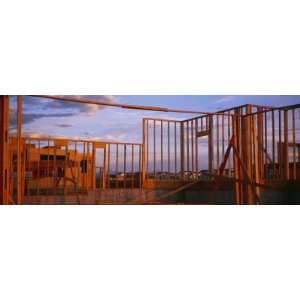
(35, 108)
(30, 117)
(64, 125)
(42, 103)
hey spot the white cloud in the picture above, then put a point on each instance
(224, 99)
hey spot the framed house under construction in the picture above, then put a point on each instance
(243, 155)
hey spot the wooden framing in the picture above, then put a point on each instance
(5, 197)
(246, 155)
(236, 162)
(251, 130)
(255, 147)
(20, 153)
(182, 156)
(285, 150)
(210, 144)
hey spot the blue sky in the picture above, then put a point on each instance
(47, 117)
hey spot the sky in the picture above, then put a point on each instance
(56, 118)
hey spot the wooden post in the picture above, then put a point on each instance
(229, 134)
(237, 175)
(93, 177)
(104, 167)
(260, 146)
(169, 154)
(140, 165)
(132, 166)
(4, 163)
(196, 151)
(187, 149)
(256, 177)
(273, 145)
(294, 144)
(20, 191)
(124, 165)
(285, 153)
(144, 149)
(246, 154)
(210, 144)
(279, 146)
(218, 141)
(193, 150)
(117, 165)
(108, 166)
(161, 148)
(154, 149)
(175, 149)
(182, 149)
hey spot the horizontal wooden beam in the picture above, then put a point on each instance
(202, 133)
(55, 139)
(83, 100)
